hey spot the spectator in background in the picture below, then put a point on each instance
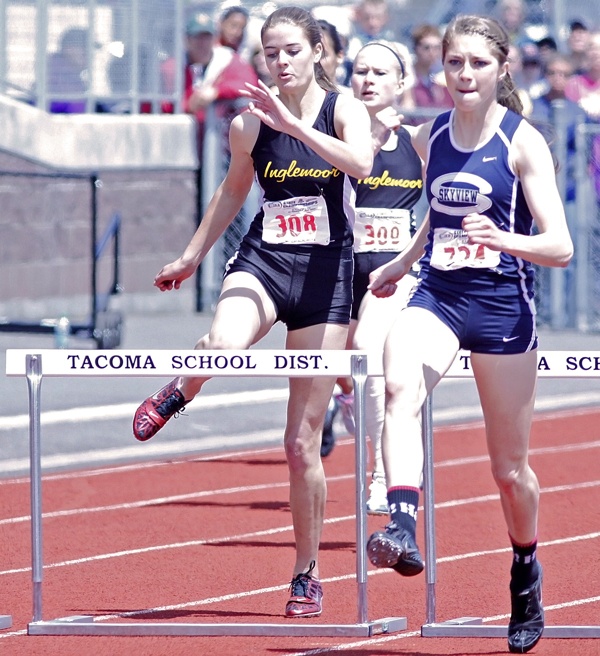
(370, 22)
(547, 115)
(577, 46)
(429, 87)
(68, 73)
(119, 71)
(511, 15)
(257, 60)
(212, 72)
(532, 77)
(232, 27)
(515, 63)
(585, 88)
(547, 47)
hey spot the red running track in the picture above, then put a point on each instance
(209, 540)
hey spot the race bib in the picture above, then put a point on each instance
(379, 229)
(451, 250)
(301, 220)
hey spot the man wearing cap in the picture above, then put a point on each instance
(212, 72)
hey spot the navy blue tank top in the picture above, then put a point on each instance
(462, 181)
(286, 168)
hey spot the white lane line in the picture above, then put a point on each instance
(251, 488)
(118, 469)
(274, 531)
(346, 577)
(126, 410)
(179, 448)
(84, 414)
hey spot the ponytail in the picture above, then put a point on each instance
(323, 79)
(507, 94)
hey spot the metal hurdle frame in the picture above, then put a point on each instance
(556, 364)
(21, 362)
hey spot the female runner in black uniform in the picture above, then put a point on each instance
(307, 145)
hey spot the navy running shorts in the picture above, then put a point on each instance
(307, 289)
(483, 323)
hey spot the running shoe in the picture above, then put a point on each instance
(346, 405)
(156, 411)
(526, 618)
(396, 548)
(306, 595)
(377, 503)
(327, 437)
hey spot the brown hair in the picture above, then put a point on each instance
(498, 43)
(312, 31)
(422, 31)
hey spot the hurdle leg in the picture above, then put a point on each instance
(462, 627)
(34, 382)
(429, 509)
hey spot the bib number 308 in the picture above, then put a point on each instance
(301, 220)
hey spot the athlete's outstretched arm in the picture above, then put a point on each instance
(352, 153)
(223, 207)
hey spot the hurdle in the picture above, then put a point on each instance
(551, 364)
(287, 363)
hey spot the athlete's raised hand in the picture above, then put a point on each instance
(383, 124)
(482, 230)
(265, 104)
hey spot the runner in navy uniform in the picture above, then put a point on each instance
(384, 225)
(490, 176)
(306, 144)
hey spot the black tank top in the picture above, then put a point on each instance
(287, 168)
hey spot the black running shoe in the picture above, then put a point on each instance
(527, 618)
(328, 438)
(396, 548)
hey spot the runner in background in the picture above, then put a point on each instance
(385, 223)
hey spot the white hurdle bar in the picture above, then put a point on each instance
(551, 364)
(64, 363)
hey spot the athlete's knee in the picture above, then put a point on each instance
(219, 342)
(511, 477)
(301, 452)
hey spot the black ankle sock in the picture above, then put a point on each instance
(525, 568)
(403, 503)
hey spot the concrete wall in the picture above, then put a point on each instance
(146, 167)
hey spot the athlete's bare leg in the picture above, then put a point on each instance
(419, 350)
(308, 401)
(242, 295)
(506, 385)
(375, 319)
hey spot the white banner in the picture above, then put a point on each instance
(257, 362)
